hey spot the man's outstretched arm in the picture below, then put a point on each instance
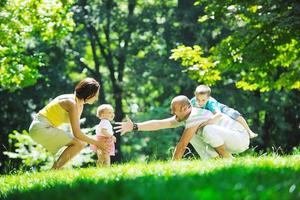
(183, 142)
(151, 125)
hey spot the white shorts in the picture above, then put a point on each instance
(204, 150)
(52, 138)
(235, 141)
(212, 136)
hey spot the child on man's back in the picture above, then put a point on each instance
(203, 100)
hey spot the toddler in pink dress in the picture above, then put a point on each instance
(104, 133)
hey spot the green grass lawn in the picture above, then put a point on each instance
(242, 178)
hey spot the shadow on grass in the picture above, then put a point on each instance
(228, 183)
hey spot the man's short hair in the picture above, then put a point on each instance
(203, 89)
(102, 108)
(180, 100)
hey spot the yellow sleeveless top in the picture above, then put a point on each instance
(55, 113)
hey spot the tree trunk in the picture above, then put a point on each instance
(266, 136)
(256, 118)
(119, 117)
(98, 77)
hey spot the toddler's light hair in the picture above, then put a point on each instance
(102, 108)
(203, 89)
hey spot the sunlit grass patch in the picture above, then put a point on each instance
(242, 178)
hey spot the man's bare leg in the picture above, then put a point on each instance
(74, 147)
(242, 121)
(222, 152)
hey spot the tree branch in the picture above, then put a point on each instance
(78, 59)
(106, 30)
(123, 52)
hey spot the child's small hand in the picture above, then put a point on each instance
(114, 139)
(102, 146)
(203, 124)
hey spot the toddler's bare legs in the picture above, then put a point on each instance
(103, 159)
(242, 121)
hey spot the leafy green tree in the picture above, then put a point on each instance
(126, 46)
(23, 24)
(149, 76)
(255, 47)
(260, 50)
(19, 106)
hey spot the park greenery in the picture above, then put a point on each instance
(144, 53)
(266, 177)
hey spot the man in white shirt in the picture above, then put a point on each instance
(222, 137)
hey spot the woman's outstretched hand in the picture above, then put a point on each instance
(103, 146)
(124, 127)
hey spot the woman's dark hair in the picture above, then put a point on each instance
(87, 88)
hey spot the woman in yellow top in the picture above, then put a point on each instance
(66, 108)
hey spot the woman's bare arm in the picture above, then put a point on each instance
(70, 106)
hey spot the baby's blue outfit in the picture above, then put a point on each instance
(213, 105)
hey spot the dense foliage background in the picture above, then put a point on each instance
(146, 52)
